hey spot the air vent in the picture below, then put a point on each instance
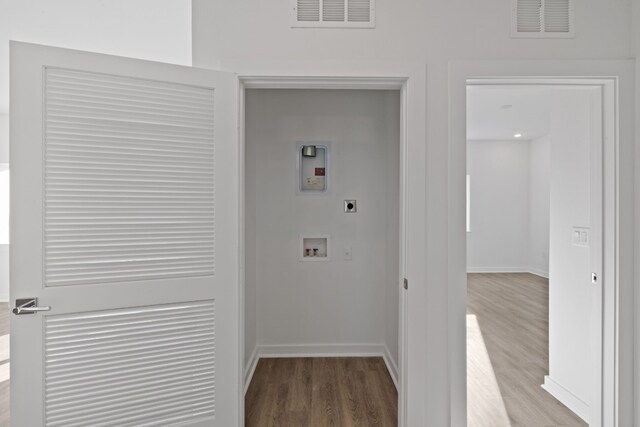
(542, 18)
(334, 13)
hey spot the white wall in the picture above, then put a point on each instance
(570, 290)
(338, 302)
(4, 224)
(432, 32)
(499, 237)
(539, 210)
(509, 206)
(158, 30)
(4, 138)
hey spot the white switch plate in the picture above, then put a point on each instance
(581, 236)
(348, 254)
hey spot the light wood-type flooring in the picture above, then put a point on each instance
(318, 392)
(507, 353)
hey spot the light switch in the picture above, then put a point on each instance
(581, 236)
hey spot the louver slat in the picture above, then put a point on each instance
(334, 14)
(129, 190)
(308, 10)
(333, 10)
(529, 16)
(359, 11)
(557, 16)
(131, 367)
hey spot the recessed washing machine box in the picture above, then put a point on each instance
(314, 247)
(313, 167)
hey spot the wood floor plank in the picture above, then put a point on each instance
(303, 392)
(512, 312)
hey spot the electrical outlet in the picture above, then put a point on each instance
(350, 206)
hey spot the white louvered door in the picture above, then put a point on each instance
(124, 220)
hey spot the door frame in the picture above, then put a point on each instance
(616, 304)
(408, 80)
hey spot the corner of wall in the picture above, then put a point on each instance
(250, 368)
(392, 367)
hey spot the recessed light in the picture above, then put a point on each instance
(517, 135)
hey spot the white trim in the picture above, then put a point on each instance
(331, 82)
(568, 399)
(250, 369)
(319, 350)
(539, 272)
(497, 270)
(616, 79)
(410, 79)
(391, 366)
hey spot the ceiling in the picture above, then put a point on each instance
(159, 30)
(500, 112)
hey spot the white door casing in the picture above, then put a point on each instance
(609, 132)
(124, 219)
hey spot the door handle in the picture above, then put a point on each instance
(28, 306)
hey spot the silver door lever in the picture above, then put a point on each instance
(28, 306)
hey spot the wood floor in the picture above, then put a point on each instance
(511, 311)
(318, 392)
(512, 314)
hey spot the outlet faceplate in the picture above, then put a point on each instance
(350, 206)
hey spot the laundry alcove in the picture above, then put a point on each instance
(347, 305)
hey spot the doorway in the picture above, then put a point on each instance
(535, 246)
(322, 253)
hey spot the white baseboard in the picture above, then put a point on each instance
(531, 270)
(497, 269)
(568, 399)
(391, 366)
(539, 272)
(319, 350)
(250, 369)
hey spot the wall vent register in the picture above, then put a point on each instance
(542, 19)
(333, 13)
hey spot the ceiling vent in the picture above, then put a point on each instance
(542, 18)
(334, 13)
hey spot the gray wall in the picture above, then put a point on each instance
(338, 302)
